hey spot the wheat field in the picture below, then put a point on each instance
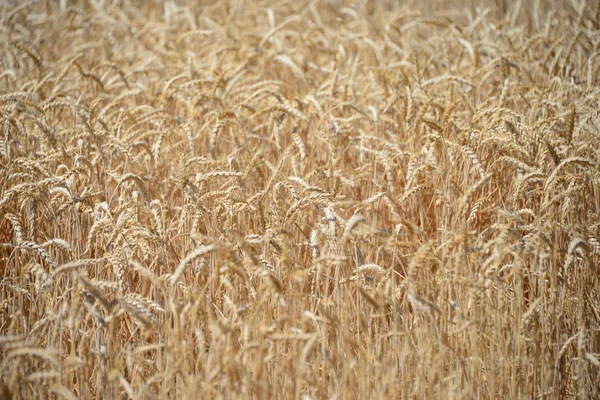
(315, 199)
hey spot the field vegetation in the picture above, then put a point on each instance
(299, 199)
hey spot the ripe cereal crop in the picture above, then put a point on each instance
(314, 199)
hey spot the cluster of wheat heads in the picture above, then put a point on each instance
(308, 199)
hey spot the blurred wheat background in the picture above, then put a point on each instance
(299, 199)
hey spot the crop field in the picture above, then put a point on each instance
(313, 199)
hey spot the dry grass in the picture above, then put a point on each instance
(299, 200)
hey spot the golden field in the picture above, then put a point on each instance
(310, 199)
